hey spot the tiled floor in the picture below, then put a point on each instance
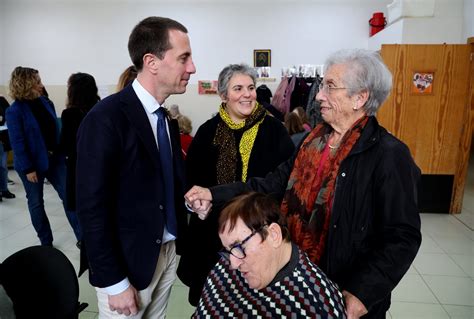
(440, 283)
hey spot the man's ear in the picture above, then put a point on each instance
(151, 63)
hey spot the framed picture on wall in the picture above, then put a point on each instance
(262, 58)
(422, 82)
(207, 87)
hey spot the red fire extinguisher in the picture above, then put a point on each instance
(377, 23)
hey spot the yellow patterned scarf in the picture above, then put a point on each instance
(225, 141)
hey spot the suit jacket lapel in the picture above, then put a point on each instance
(133, 109)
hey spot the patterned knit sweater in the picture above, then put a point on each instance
(299, 290)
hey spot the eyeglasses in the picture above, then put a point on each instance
(237, 250)
(326, 89)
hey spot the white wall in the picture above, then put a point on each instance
(468, 25)
(445, 26)
(2, 44)
(60, 37)
(63, 37)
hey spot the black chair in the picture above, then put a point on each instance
(41, 283)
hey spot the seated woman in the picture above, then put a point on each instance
(261, 271)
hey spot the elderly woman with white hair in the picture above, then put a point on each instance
(350, 191)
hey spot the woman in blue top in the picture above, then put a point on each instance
(34, 137)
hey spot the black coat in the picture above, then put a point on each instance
(4, 134)
(70, 120)
(272, 146)
(120, 191)
(374, 232)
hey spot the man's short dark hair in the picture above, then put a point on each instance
(151, 35)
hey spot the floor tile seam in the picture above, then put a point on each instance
(455, 262)
(455, 219)
(416, 302)
(429, 288)
(439, 301)
(414, 267)
(424, 303)
(465, 277)
(456, 305)
(3, 238)
(437, 244)
(441, 240)
(465, 224)
(460, 234)
(446, 310)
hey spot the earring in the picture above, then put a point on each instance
(355, 108)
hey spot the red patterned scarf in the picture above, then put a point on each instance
(307, 202)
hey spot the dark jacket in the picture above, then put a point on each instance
(374, 232)
(29, 148)
(4, 133)
(272, 146)
(71, 119)
(120, 191)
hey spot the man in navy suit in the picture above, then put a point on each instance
(122, 186)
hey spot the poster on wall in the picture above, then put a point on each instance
(207, 87)
(422, 82)
(262, 58)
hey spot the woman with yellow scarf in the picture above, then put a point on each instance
(240, 142)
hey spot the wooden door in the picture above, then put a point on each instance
(435, 122)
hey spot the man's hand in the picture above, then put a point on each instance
(199, 199)
(32, 177)
(354, 307)
(125, 302)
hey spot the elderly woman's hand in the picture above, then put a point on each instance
(32, 177)
(198, 199)
(354, 307)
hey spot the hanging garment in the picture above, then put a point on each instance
(279, 95)
(264, 94)
(313, 108)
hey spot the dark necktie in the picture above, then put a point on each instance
(166, 158)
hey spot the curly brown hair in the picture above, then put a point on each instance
(185, 124)
(22, 83)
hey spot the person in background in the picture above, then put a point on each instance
(174, 111)
(240, 142)
(295, 128)
(261, 269)
(130, 178)
(34, 135)
(185, 129)
(264, 96)
(4, 148)
(82, 95)
(350, 192)
(304, 118)
(127, 77)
